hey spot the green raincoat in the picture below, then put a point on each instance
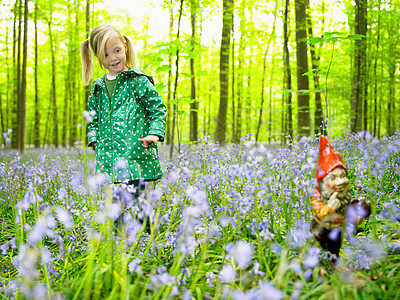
(134, 111)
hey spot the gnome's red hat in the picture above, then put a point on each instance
(328, 160)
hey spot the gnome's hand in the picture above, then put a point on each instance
(334, 202)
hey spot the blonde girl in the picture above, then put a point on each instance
(129, 115)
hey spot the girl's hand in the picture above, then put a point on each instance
(147, 140)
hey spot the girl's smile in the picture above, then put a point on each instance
(115, 56)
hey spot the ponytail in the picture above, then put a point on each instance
(130, 54)
(97, 42)
(87, 63)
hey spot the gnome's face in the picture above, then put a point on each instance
(336, 181)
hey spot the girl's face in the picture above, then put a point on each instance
(115, 56)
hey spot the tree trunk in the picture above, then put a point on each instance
(248, 102)
(288, 129)
(17, 78)
(22, 98)
(175, 109)
(227, 18)
(303, 96)
(378, 34)
(239, 89)
(37, 104)
(315, 61)
(194, 103)
(171, 29)
(2, 124)
(359, 64)
(9, 89)
(272, 37)
(53, 83)
(87, 88)
(234, 140)
(270, 96)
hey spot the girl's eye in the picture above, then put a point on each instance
(117, 50)
(106, 54)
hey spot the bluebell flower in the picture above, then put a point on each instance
(87, 116)
(227, 274)
(298, 236)
(42, 157)
(64, 217)
(62, 194)
(307, 274)
(257, 271)
(312, 258)
(298, 287)
(159, 280)
(334, 234)
(295, 266)
(46, 255)
(4, 248)
(268, 291)
(38, 232)
(251, 294)
(210, 278)
(134, 266)
(243, 254)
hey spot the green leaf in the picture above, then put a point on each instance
(288, 91)
(180, 112)
(309, 73)
(355, 37)
(160, 86)
(186, 75)
(163, 68)
(202, 73)
(315, 40)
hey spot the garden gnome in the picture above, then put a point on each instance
(332, 201)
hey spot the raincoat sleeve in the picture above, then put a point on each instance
(93, 126)
(155, 108)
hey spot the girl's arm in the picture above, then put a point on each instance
(154, 106)
(93, 126)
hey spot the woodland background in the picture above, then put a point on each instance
(277, 68)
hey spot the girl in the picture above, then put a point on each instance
(130, 116)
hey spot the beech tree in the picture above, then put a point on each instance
(303, 96)
(227, 19)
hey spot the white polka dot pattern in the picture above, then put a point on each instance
(135, 110)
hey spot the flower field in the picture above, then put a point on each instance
(226, 223)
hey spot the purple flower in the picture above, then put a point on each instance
(334, 234)
(62, 194)
(312, 258)
(88, 117)
(269, 291)
(38, 232)
(298, 236)
(64, 217)
(42, 157)
(4, 248)
(159, 280)
(210, 278)
(227, 274)
(46, 255)
(134, 266)
(243, 254)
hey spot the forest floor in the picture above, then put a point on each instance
(226, 222)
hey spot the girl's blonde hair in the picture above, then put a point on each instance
(97, 41)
